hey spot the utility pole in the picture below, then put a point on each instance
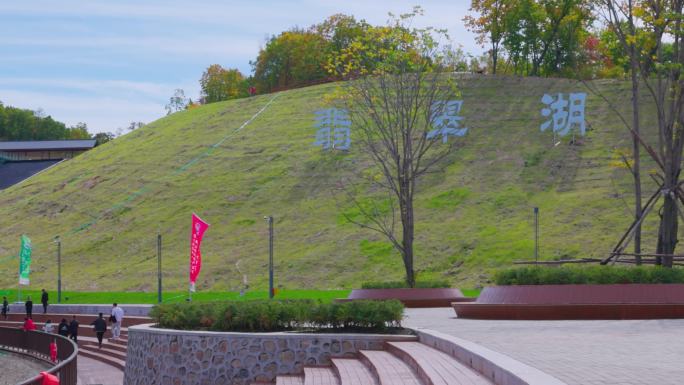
(536, 234)
(159, 269)
(270, 256)
(58, 241)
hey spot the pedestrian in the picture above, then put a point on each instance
(29, 307)
(73, 329)
(48, 327)
(5, 308)
(116, 319)
(100, 327)
(53, 350)
(44, 301)
(28, 325)
(63, 328)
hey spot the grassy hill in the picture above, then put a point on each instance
(473, 216)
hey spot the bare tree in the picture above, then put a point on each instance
(397, 116)
(620, 18)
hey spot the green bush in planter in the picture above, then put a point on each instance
(588, 274)
(265, 315)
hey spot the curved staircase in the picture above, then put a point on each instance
(112, 353)
(400, 363)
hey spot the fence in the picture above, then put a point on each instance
(37, 345)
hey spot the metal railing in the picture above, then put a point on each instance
(36, 344)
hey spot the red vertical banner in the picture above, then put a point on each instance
(198, 228)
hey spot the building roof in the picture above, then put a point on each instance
(48, 145)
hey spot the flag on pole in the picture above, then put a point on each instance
(24, 260)
(198, 229)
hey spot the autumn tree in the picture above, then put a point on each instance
(219, 84)
(394, 109)
(292, 59)
(488, 20)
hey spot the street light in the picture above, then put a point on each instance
(58, 241)
(269, 219)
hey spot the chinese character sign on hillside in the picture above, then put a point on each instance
(446, 120)
(334, 129)
(564, 113)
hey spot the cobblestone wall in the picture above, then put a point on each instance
(162, 356)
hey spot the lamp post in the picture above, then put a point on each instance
(159, 270)
(58, 241)
(536, 234)
(269, 219)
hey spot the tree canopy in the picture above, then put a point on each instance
(23, 124)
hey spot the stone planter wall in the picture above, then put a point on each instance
(177, 357)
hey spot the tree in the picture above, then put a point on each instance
(103, 137)
(135, 125)
(177, 102)
(662, 76)
(79, 131)
(219, 84)
(625, 29)
(292, 59)
(394, 111)
(488, 22)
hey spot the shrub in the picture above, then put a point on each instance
(598, 275)
(433, 284)
(267, 316)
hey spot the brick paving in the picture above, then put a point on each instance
(576, 352)
(91, 372)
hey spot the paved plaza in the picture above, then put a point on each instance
(91, 372)
(576, 352)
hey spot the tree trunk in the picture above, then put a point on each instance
(635, 152)
(495, 58)
(668, 236)
(407, 235)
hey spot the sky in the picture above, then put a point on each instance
(108, 63)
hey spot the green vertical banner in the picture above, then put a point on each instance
(25, 260)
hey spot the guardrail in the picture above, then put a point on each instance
(37, 345)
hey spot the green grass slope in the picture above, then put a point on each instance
(473, 215)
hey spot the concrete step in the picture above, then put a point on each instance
(319, 375)
(104, 357)
(352, 371)
(93, 342)
(388, 368)
(435, 367)
(290, 380)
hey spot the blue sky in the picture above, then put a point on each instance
(108, 63)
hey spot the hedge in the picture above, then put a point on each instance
(434, 284)
(594, 274)
(269, 316)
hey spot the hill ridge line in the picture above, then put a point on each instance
(182, 168)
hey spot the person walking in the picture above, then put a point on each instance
(29, 307)
(117, 319)
(48, 327)
(5, 308)
(73, 329)
(100, 327)
(63, 328)
(44, 301)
